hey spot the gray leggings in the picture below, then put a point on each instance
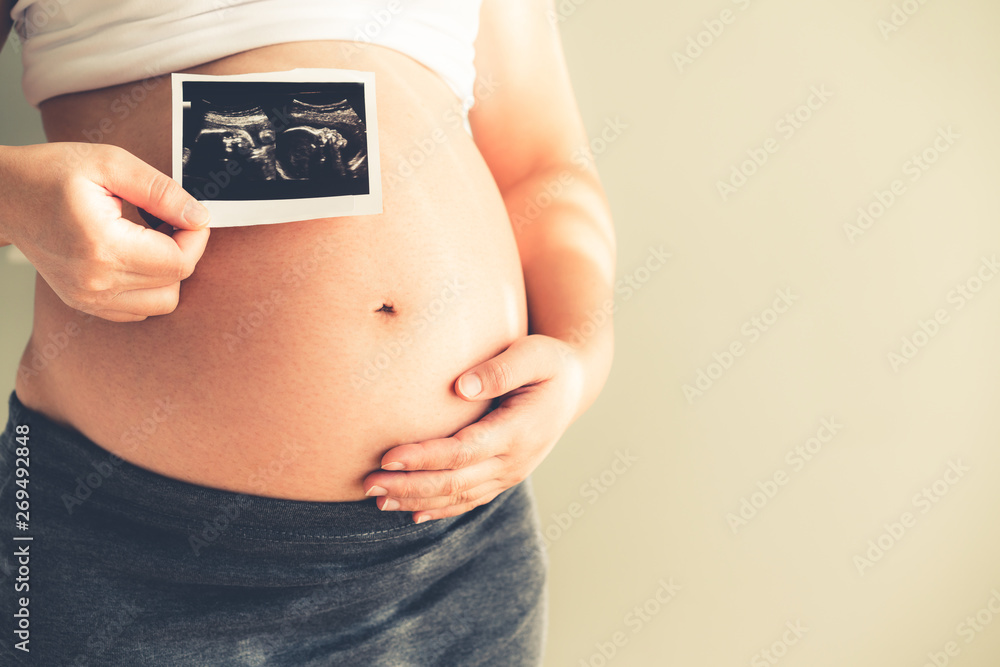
(128, 567)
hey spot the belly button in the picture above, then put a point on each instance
(386, 308)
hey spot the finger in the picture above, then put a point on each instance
(454, 510)
(140, 184)
(472, 496)
(150, 259)
(151, 219)
(146, 302)
(192, 245)
(476, 442)
(431, 483)
(116, 315)
(526, 361)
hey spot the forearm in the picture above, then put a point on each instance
(567, 249)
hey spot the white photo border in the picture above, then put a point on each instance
(273, 211)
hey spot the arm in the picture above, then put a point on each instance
(61, 205)
(528, 131)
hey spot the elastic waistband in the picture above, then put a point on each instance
(67, 463)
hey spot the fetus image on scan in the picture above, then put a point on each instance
(277, 145)
(238, 141)
(324, 140)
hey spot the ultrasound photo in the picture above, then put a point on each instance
(308, 147)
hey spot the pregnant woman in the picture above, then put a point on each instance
(305, 443)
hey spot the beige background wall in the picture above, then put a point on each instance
(658, 517)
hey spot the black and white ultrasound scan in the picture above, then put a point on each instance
(278, 147)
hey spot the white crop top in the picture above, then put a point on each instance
(74, 45)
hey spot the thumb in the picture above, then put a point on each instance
(138, 183)
(526, 361)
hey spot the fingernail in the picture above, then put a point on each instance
(422, 518)
(390, 504)
(395, 465)
(470, 385)
(376, 491)
(196, 214)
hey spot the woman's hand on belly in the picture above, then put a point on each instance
(566, 248)
(63, 210)
(539, 381)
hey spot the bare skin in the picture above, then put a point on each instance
(295, 360)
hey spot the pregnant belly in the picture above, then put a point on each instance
(300, 352)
